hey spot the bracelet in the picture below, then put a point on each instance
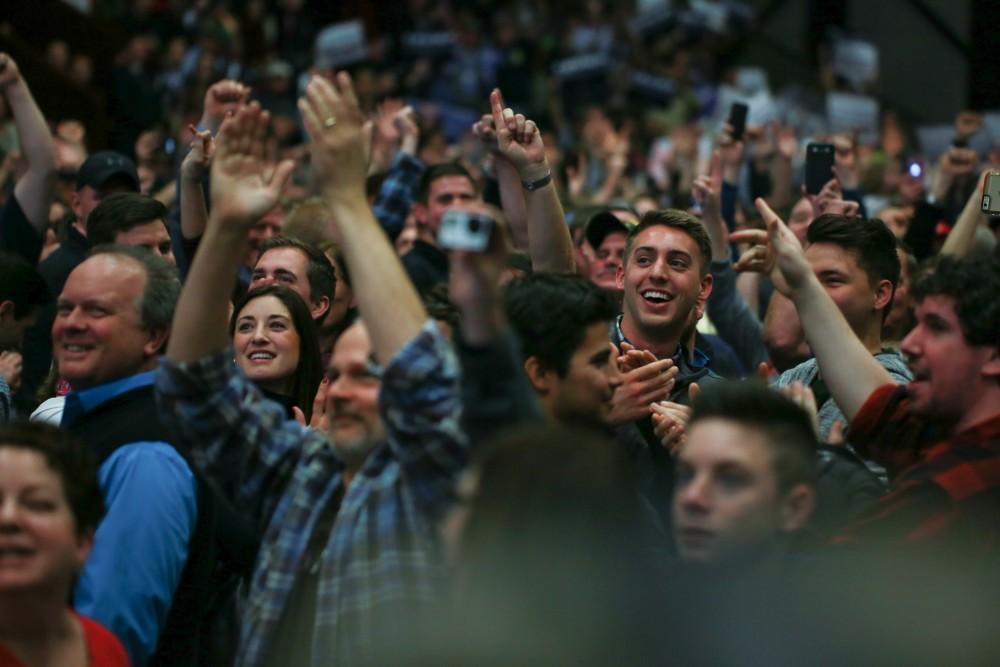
(540, 183)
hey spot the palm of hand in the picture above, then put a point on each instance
(240, 177)
(523, 153)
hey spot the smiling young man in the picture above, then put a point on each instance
(938, 436)
(300, 266)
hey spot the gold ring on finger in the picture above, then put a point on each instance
(330, 121)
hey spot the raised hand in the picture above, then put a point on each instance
(803, 396)
(670, 422)
(518, 140)
(243, 189)
(334, 122)
(9, 73)
(198, 161)
(222, 99)
(776, 252)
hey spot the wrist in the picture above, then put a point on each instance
(534, 171)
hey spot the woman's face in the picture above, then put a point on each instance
(39, 544)
(267, 344)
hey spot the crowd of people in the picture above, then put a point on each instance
(397, 365)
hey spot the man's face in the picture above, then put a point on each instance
(607, 261)
(661, 280)
(847, 284)
(97, 335)
(288, 267)
(584, 394)
(727, 504)
(266, 228)
(352, 398)
(152, 235)
(445, 193)
(947, 369)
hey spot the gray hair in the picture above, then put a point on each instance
(163, 286)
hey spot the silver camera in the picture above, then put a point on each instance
(464, 230)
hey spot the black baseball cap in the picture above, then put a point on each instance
(600, 225)
(100, 167)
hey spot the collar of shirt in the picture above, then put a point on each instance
(79, 403)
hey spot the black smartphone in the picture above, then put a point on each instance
(819, 167)
(738, 119)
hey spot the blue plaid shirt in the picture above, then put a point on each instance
(382, 554)
(396, 194)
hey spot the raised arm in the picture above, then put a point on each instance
(241, 193)
(34, 189)
(520, 142)
(333, 120)
(849, 369)
(963, 234)
(194, 168)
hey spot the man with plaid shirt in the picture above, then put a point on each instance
(348, 516)
(939, 435)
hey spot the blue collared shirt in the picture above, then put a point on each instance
(141, 545)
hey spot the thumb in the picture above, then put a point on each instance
(763, 371)
(281, 175)
(299, 416)
(693, 391)
(836, 435)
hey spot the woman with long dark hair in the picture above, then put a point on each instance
(276, 345)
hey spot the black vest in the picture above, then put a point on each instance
(132, 417)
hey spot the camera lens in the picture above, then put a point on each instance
(473, 225)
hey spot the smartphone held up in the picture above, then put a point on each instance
(819, 166)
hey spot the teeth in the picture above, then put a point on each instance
(76, 348)
(654, 295)
(262, 355)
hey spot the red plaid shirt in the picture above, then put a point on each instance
(945, 488)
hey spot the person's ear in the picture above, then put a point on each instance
(419, 210)
(84, 543)
(705, 290)
(539, 377)
(797, 507)
(991, 368)
(883, 294)
(75, 204)
(319, 307)
(620, 277)
(156, 342)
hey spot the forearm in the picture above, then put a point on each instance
(962, 235)
(848, 368)
(381, 286)
(549, 242)
(34, 189)
(512, 198)
(194, 212)
(200, 323)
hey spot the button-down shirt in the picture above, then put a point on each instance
(382, 556)
(397, 192)
(141, 544)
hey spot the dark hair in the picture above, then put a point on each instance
(319, 271)
(440, 171)
(870, 240)
(682, 220)
(120, 213)
(973, 284)
(551, 312)
(72, 461)
(163, 287)
(339, 263)
(309, 371)
(21, 283)
(786, 426)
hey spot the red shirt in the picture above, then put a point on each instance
(103, 648)
(945, 488)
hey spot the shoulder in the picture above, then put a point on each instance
(103, 648)
(894, 362)
(150, 467)
(804, 372)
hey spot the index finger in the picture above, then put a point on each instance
(751, 236)
(496, 106)
(651, 370)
